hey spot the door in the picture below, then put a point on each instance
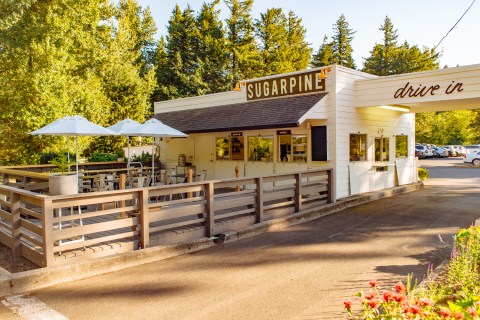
(204, 155)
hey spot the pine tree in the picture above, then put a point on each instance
(342, 43)
(300, 51)
(211, 51)
(271, 30)
(241, 46)
(324, 55)
(383, 56)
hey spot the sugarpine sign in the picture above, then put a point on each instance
(307, 82)
(410, 91)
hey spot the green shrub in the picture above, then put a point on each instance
(142, 157)
(46, 158)
(103, 157)
(422, 174)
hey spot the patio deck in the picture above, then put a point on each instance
(53, 230)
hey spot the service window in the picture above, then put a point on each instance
(382, 149)
(223, 148)
(260, 148)
(401, 146)
(358, 147)
(237, 147)
(300, 148)
(284, 147)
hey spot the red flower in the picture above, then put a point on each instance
(415, 309)
(425, 302)
(472, 311)
(388, 296)
(370, 296)
(400, 288)
(398, 297)
(347, 304)
(444, 312)
(373, 303)
(373, 283)
(459, 316)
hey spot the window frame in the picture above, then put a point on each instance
(362, 154)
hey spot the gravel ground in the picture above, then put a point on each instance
(14, 264)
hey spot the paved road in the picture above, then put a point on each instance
(301, 272)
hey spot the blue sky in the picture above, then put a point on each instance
(421, 22)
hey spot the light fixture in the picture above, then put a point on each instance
(396, 108)
(322, 74)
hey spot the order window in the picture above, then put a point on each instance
(230, 148)
(401, 146)
(292, 148)
(358, 147)
(260, 148)
(382, 149)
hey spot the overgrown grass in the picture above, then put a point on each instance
(453, 295)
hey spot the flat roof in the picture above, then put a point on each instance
(258, 114)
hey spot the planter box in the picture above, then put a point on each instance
(62, 184)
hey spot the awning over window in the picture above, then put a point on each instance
(263, 114)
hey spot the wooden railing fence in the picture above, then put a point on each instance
(53, 230)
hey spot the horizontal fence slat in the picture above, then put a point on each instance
(92, 214)
(32, 254)
(6, 237)
(60, 234)
(32, 199)
(5, 203)
(30, 237)
(235, 193)
(90, 242)
(177, 225)
(5, 215)
(233, 202)
(31, 227)
(235, 214)
(91, 199)
(235, 183)
(278, 195)
(6, 226)
(30, 212)
(177, 212)
(278, 205)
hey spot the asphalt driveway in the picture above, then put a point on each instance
(301, 272)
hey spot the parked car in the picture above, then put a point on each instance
(473, 158)
(425, 152)
(473, 148)
(440, 152)
(456, 151)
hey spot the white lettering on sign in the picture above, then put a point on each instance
(309, 82)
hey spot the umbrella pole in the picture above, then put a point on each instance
(76, 158)
(128, 152)
(153, 157)
(68, 152)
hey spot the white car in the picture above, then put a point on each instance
(473, 148)
(473, 158)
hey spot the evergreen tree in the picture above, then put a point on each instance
(342, 43)
(324, 55)
(339, 50)
(271, 30)
(211, 51)
(383, 56)
(389, 58)
(241, 46)
(300, 51)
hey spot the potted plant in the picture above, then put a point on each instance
(120, 155)
(63, 182)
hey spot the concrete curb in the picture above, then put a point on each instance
(40, 278)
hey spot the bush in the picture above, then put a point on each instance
(422, 174)
(142, 157)
(103, 157)
(46, 158)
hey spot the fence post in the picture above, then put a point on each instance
(210, 222)
(189, 180)
(298, 192)
(330, 188)
(47, 224)
(259, 199)
(16, 222)
(237, 175)
(144, 219)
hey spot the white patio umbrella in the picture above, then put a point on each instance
(154, 128)
(74, 126)
(39, 132)
(123, 126)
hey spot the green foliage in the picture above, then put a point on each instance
(103, 157)
(339, 50)
(142, 157)
(62, 164)
(46, 158)
(422, 174)
(71, 57)
(389, 58)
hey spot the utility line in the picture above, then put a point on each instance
(455, 24)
